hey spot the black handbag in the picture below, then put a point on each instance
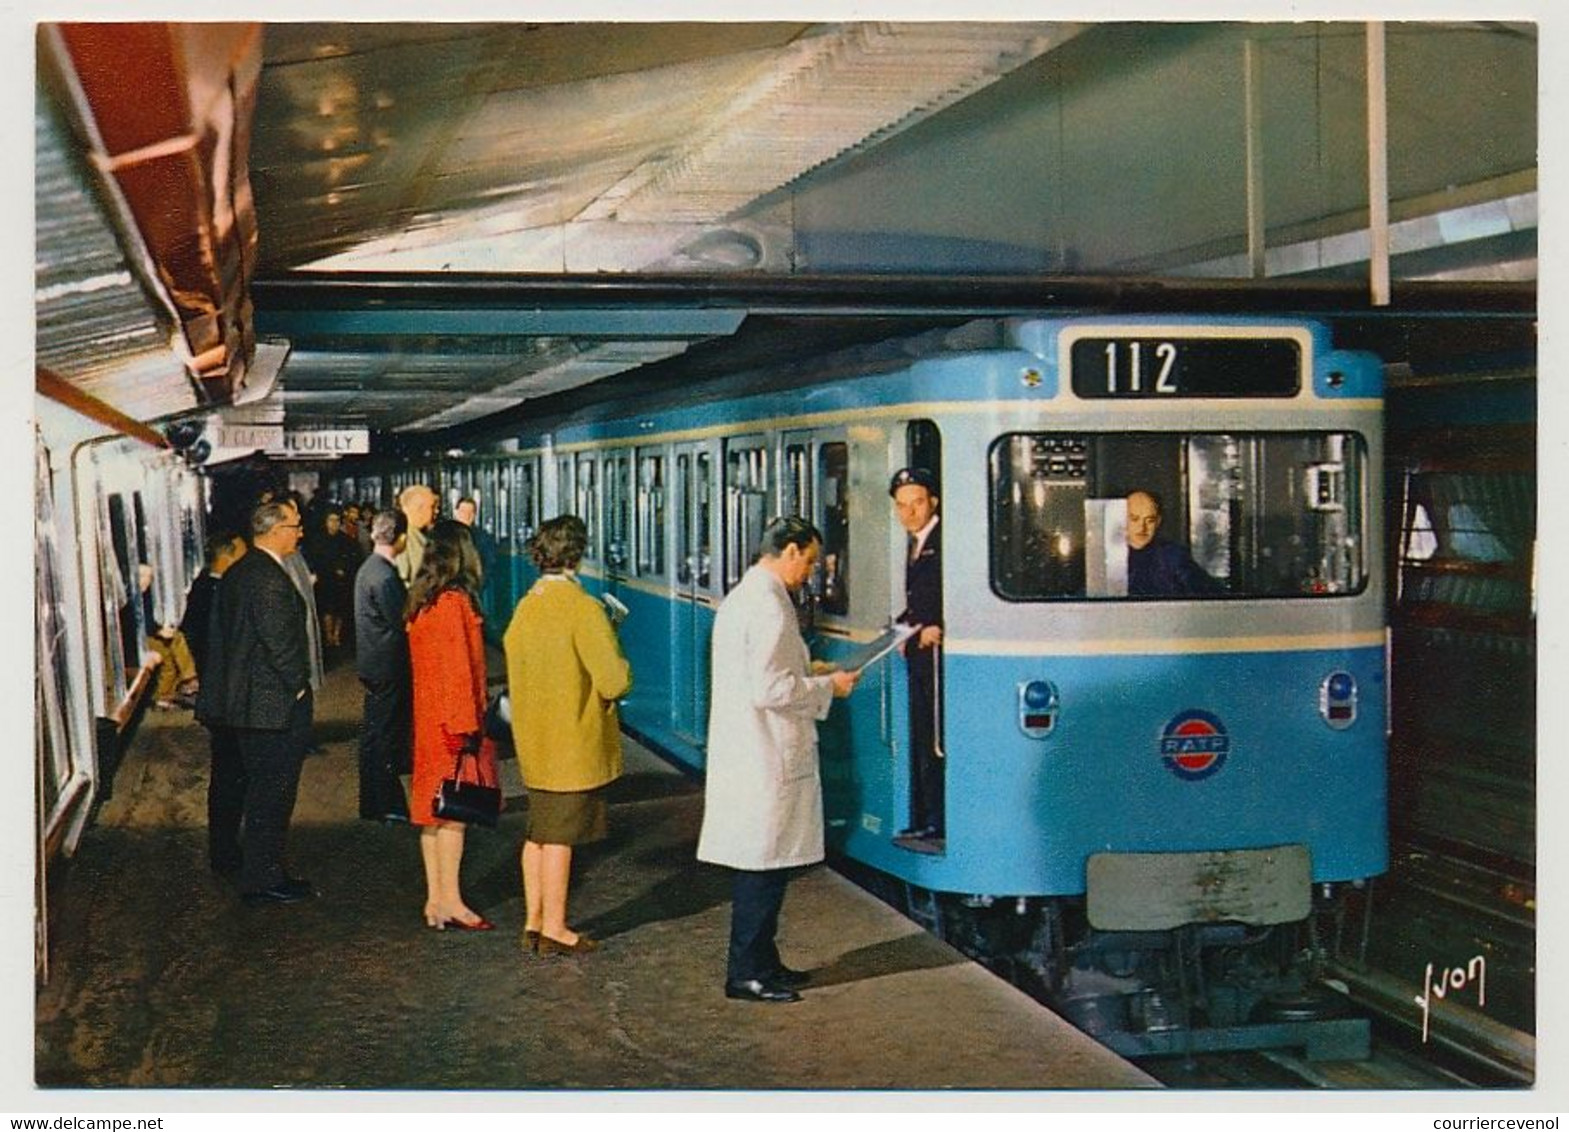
(471, 803)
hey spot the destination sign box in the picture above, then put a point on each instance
(1173, 366)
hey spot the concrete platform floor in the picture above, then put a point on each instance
(162, 978)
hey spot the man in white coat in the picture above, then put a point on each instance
(763, 805)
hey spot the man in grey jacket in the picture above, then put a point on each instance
(763, 803)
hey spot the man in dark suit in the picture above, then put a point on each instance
(1157, 568)
(914, 492)
(261, 687)
(382, 658)
(226, 777)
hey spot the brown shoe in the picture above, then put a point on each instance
(550, 946)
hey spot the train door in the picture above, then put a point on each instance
(692, 588)
(813, 483)
(918, 589)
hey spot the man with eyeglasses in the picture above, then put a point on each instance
(261, 688)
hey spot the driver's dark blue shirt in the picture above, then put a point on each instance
(1163, 568)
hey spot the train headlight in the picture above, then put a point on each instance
(1038, 707)
(1337, 700)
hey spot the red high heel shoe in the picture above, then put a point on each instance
(479, 925)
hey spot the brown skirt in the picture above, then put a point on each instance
(575, 817)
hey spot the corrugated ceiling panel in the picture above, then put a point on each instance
(92, 315)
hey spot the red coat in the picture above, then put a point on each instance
(447, 660)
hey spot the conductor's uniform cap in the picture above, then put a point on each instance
(904, 477)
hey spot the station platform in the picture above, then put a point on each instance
(162, 978)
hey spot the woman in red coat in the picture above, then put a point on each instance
(447, 660)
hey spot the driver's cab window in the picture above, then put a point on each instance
(1177, 515)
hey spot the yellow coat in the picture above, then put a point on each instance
(565, 672)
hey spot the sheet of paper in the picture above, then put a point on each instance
(873, 651)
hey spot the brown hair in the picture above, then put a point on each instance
(559, 544)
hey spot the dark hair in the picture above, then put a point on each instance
(218, 542)
(386, 526)
(787, 530)
(559, 544)
(451, 563)
(466, 499)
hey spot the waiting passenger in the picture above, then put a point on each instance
(1156, 567)
(334, 557)
(381, 645)
(447, 662)
(177, 673)
(418, 504)
(224, 549)
(226, 768)
(259, 685)
(466, 511)
(565, 672)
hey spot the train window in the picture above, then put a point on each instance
(585, 505)
(686, 508)
(746, 505)
(503, 508)
(54, 691)
(833, 494)
(923, 447)
(1467, 538)
(795, 481)
(694, 472)
(525, 500)
(704, 481)
(618, 511)
(1160, 515)
(490, 492)
(650, 514)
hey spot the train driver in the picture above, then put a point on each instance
(1157, 567)
(914, 492)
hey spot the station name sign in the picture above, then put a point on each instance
(300, 444)
(326, 443)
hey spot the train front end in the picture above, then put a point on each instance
(1164, 680)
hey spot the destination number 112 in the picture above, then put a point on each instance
(1164, 362)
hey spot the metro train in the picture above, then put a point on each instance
(105, 502)
(1152, 802)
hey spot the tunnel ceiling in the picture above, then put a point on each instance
(408, 154)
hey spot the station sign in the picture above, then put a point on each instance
(325, 443)
(249, 437)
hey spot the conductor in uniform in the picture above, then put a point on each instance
(914, 492)
(763, 801)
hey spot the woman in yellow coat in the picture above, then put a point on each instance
(565, 672)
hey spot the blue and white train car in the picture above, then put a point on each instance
(1144, 761)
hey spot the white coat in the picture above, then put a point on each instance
(763, 804)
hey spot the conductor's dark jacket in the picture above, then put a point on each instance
(259, 656)
(923, 585)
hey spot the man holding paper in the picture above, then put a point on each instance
(763, 801)
(914, 492)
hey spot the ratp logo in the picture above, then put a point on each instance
(1194, 744)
